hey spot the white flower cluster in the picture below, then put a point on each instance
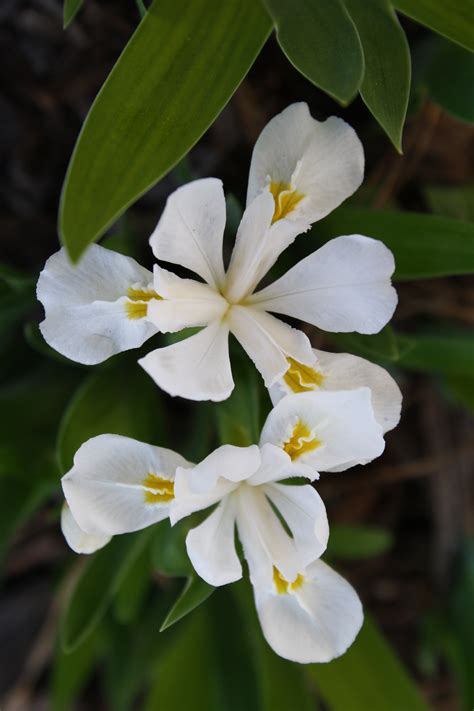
(330, 410)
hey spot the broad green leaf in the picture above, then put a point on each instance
(185, 676)
(237, 418)
(386, 84)
(358, 542)
(99, 582)
(424, 246)
(194, 593)
(71, 672)
(382, 346)
(70, 10)
(368, 676)
(320, 40)
(452, 18)
(176, 74)
(452, 354)
(450, 80)
(134, 588)
(120, 399)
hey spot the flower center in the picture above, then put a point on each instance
(282, 585)
(158, 490)
(137, 304)
(301, 378)
(302, 440)
(286, 199)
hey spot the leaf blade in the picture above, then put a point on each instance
(453, 19)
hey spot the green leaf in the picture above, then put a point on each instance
(237, 418)
(368, 676)
(358, 542)
(194, 593)
(101, 578)
(168, 551)
(71, 673)
(450, 80)
(120, 399)
(451, 201)
(382, 346)
(70, 10)
(176, 74)
(461, 389)
(386, 84)
(134, 588)
(452, 354)
(320, 40)
(452, 18)
(424, 246)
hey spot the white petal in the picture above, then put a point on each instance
(317, 623)
(276, 465)
(322, 160)
(344, 371)
(76, 538)
(191, 230)
(264, 540)
(343, 286)
(232, 463)
(340, 423)
(109, 489)
(187, 501)
(305, 515)
(85, 305)
(197, 368)
(185, 303)
(257, 247)
(211, 546)
(268, 341)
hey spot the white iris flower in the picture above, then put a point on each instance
(301, 170)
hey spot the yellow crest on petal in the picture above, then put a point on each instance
(301, 378)
(137, 304)
(158, 490)
(302, 440)
(286, 199)
(283, 586)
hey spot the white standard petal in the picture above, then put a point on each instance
(184, 303)
(191, 230)
(276, 465)
(258, 245)
(343, 371)
(312, 166)
(197, 368)
(118, 485)
(229, 462)
(96, 308)
(343, 286)
(268, 341)
(76, 538)
(211, 546)
(304, 513)
(314, 620)
(326, 430)
(187, 501)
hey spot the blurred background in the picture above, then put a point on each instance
(404, 524)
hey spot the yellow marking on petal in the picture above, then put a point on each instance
(283, 586)
(301, 441)
(285, 198)
(137, 306)
(301, 378)
(157, 489)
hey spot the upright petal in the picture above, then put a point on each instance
(311, 166)
(315, 619)
(304, 512)
(211, 546)
(229, 462)
(268, 341)
(76, 538)
(326, 430)
(191, 230)
(187, 501)
(344, 286)
(119, 485)
(184, 303)
(197, 368)
(96, 308)
(343, 371)
(258, 245)
(276, 465)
